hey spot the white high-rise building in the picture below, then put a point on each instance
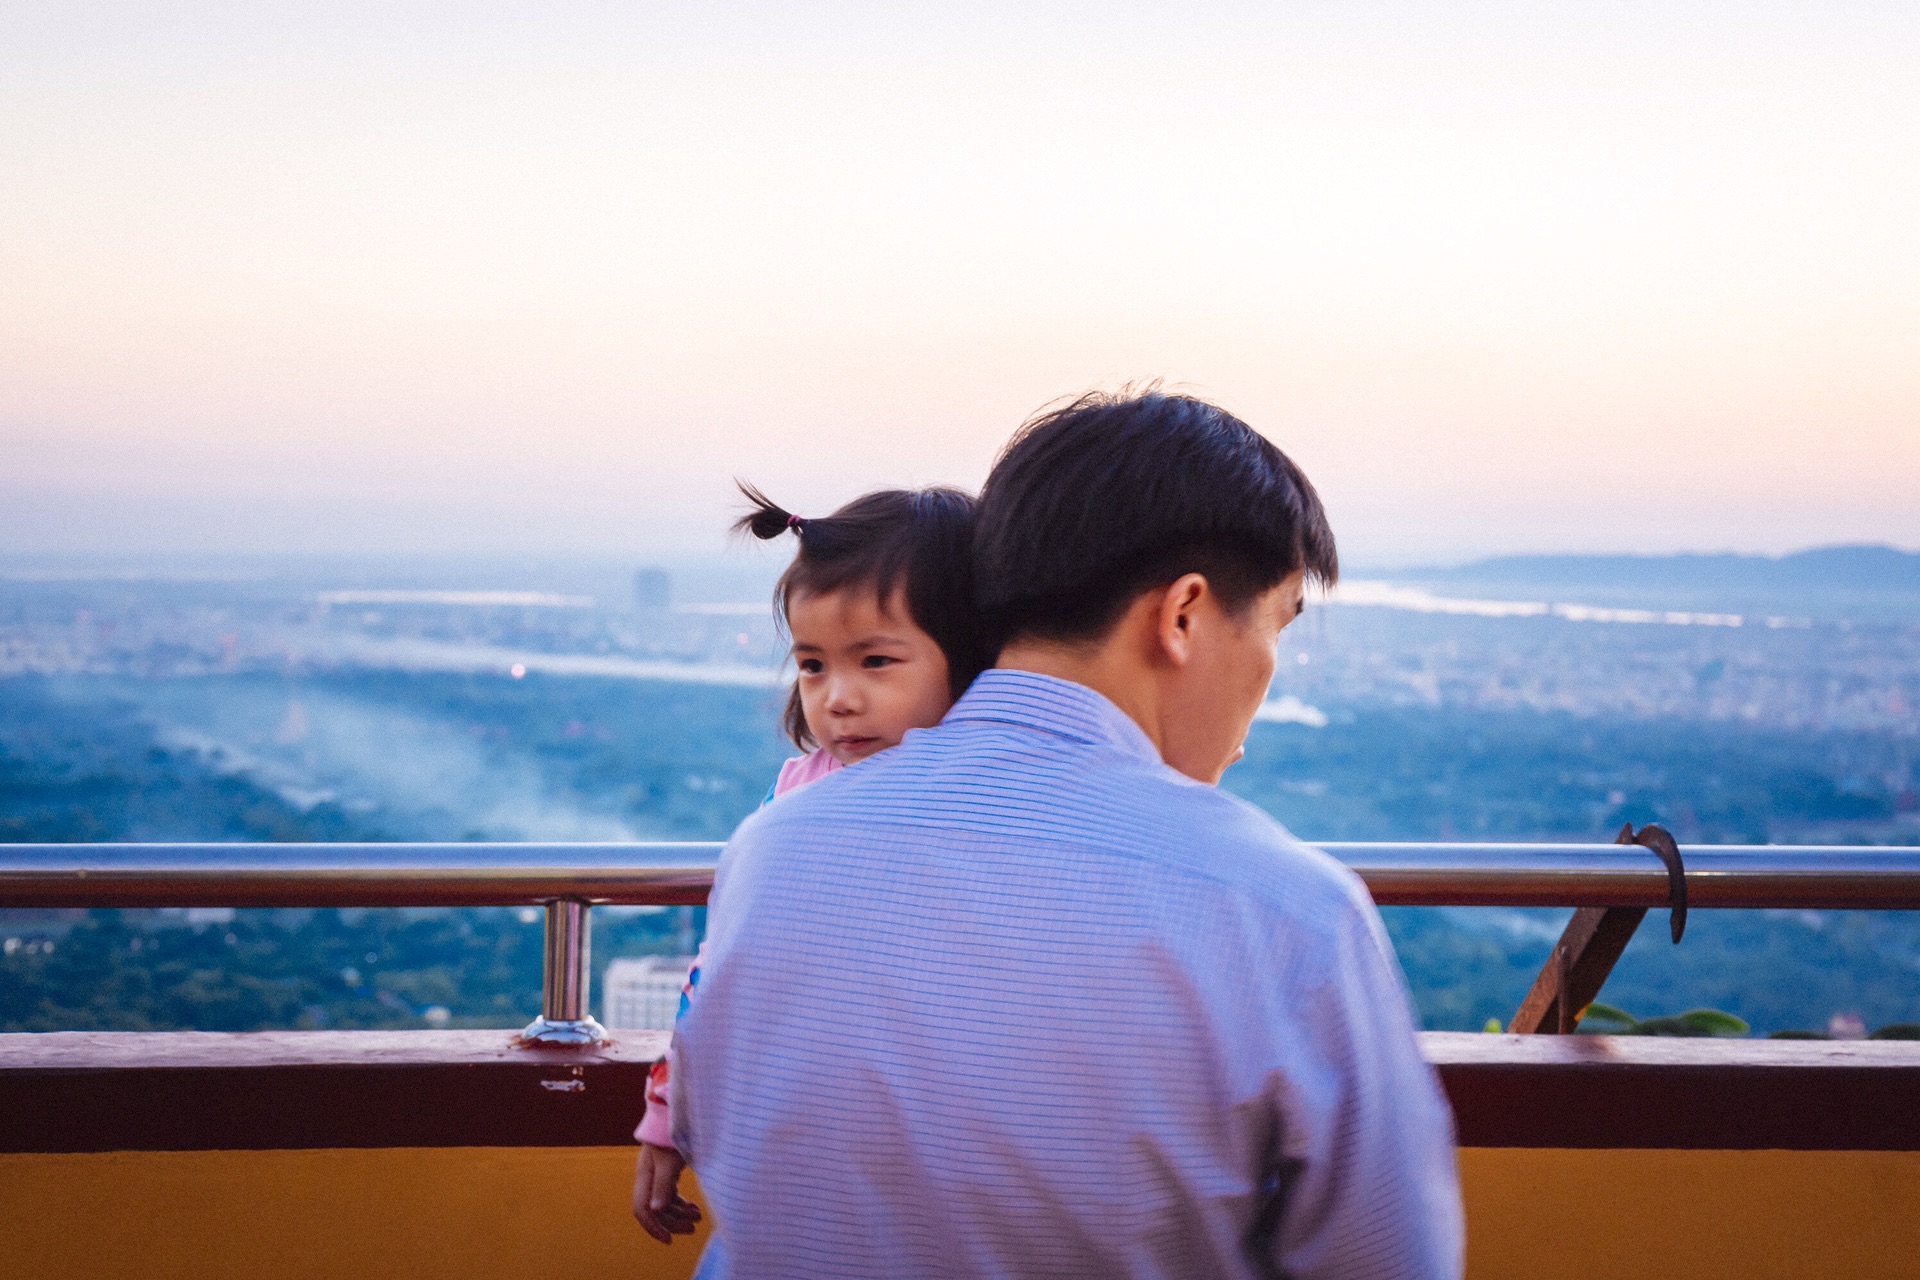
(644, 994)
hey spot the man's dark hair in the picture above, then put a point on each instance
(1096, 501)
(914, 542)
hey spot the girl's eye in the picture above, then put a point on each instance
(878, 660)
(812, 666)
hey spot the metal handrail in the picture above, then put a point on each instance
(570, 878)
(353, 875)
(1885, 877)
(1398, 874)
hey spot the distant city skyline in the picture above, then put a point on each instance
(433, 278)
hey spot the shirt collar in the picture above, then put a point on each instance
(1053, 706)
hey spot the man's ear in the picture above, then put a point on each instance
(1176, 616)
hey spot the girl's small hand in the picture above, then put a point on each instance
(657, 1203)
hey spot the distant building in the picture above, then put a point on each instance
(653, 589)
(644, 994)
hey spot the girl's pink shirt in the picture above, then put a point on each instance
(801, 770)
(656, 1126)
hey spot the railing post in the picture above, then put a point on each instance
(564, 1017)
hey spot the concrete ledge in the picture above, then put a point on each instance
(90, 1091)
(199, 1091)
(1654, 1092)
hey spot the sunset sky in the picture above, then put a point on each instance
(411, 277)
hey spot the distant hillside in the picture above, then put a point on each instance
(1864, 569)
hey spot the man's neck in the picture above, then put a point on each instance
(1105, 666)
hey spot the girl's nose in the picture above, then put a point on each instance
(843, 697)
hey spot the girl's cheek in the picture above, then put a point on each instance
(932, 703)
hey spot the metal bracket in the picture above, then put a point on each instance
(1657, 838)
(1592, 943)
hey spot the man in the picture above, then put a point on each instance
(1027, 995)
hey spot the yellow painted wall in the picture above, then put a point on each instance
(1754, 1214)
(458, 1213)
(470, 1213)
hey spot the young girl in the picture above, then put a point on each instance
(879, 605)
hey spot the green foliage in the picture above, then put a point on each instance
(1597, 1012)
(1605, 1019)
(1713, 1022)
(97, 758)
(1892, 1031)
(348, 969)
(1405, 773)
(95, 771)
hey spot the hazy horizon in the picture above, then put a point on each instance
(737, 559)
(473, 279)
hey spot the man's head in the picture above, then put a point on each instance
(1151, 546)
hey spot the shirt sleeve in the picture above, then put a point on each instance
(656, 1126)
(1365, 1179)
(656, 1123)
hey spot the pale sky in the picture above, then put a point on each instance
(407, 277)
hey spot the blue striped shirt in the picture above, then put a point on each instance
(1014, 998)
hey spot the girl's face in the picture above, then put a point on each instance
(867, 672)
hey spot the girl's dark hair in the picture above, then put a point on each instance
(918, 542)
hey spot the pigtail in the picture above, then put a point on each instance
(767, 520)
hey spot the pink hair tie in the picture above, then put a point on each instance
(796, 523)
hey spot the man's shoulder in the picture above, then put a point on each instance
(1066, 794)
(1236, 841)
